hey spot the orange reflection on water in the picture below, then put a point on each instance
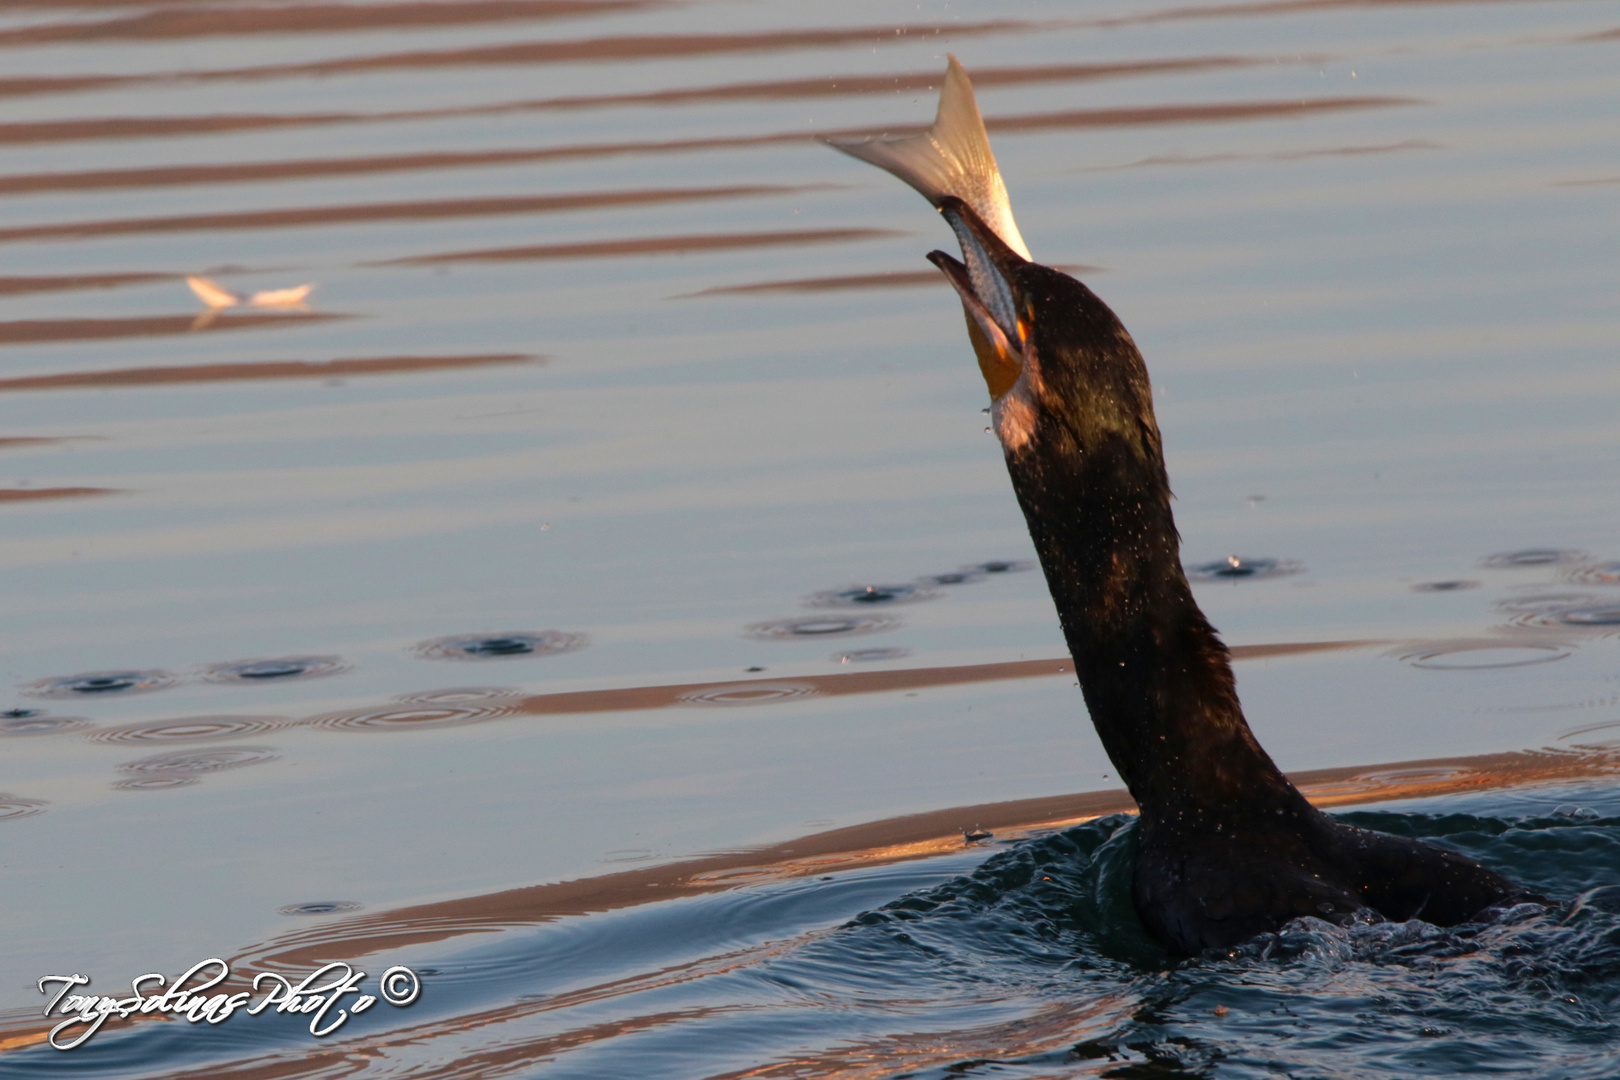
(14, 286)
(1184, 114)
(284, 369)
(396, 211)
(33, 494)
(172, 23)
(40, 331)
(893, 279)
(902, 839)
(1281, 155)
(916, 836)
(842, 683)
(652, 245)
(631, 47)
(17, 442)
(251, 172)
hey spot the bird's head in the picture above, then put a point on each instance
(1060, 367)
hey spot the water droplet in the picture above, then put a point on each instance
(500, 646)
(871, 595)
(100, 683)
(1239, 567)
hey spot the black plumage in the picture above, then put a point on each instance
(1228, 847)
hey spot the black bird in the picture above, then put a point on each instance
(1229, 848)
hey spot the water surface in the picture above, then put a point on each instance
(624, 478)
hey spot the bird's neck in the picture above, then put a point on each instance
(1156, 678)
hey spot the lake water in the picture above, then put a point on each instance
(601, 595)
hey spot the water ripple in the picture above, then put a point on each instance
(279, 669)
(1561, 610)
(12, 806)
(461, 695)
(321, 907)
(188, 729)
(504, 645)
(419, 717)
(748, 693)
(1486, 655)
(191, 763)
(821, 626)
(30, 724)
(1531, 557)
(1602, 573)
(871, 596)
(101, 683)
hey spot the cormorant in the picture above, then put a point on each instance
(1228, 847)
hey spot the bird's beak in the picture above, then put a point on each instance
(983, 281)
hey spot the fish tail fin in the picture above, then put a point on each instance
(951, 158)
